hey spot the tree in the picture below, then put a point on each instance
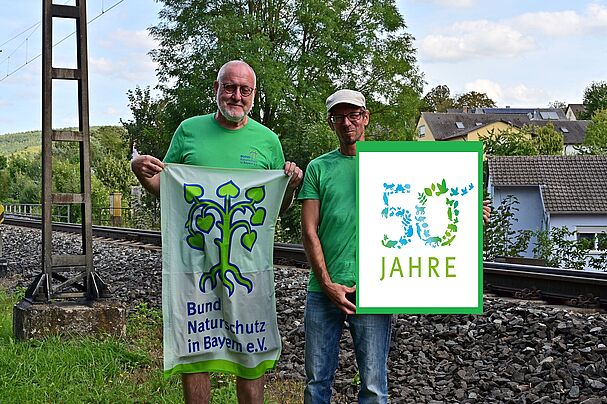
(438, 99)
(508, 142)
(546, 140)
(500, 239)
(301, 52)
(595, 141)
(473, 99)
(110, 159)
(527, 141)
(595, 98)
(146, 131)
(557, 104)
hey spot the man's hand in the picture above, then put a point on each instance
(295, 173)
(486, 212)
(337, 294)
(146, 169)
(146, 166)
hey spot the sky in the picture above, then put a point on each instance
(520, 53)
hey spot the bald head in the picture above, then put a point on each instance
(235, 64)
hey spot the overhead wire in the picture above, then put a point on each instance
(54, 45)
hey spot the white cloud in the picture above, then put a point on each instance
(129, 39)
(550, 23)
(467, 39)
(517, 96)
(562, 23)
(138, 69)
(3, 103)
(509, 37)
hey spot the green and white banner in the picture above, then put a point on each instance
(419, 227)
(218, 300)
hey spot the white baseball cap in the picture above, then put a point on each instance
(346, 97)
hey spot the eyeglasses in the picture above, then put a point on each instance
(352, 116)
(245, 91)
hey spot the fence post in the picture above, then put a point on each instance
(116, 209)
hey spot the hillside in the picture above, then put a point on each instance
(30, 142)
(18, 142)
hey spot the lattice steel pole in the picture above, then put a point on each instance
(52, 283)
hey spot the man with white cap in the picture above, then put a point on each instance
(328, 224)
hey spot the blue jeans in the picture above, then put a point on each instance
(371, 335)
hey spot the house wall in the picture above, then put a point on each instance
(531, 209)
(427, 136)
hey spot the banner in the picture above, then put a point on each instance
(218, 300)
(419, 227)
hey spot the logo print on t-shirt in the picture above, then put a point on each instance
(249, 159)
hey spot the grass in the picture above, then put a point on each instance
(103, 370)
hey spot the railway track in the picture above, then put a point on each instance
(574, 288)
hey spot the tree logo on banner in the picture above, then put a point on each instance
(420, 227)
(206, 213)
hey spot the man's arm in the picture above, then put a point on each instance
(310, 218)
(146, 169)
(296, 175)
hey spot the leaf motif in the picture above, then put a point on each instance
(229, 189)
(205, 223)
(248, 240)
(256, 194)
(196, 241)
(428, 191)
(192, 192)
(258, 217)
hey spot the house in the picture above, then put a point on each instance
(466, 124)
(553, 191)
(575, 111)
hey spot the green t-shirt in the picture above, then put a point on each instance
(201, 141)
(331, 178)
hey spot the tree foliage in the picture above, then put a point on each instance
(546, 140)
(20, 177)
(556, 104)
(438, 99)
(145, 132)
(473, 99)
(595, 98)
(301, 51)
(595, 141)
(558, 247)
(500, 239)
(530, 140)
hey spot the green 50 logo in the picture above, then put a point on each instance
(415, 223)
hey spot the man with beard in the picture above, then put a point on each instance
(226, 139)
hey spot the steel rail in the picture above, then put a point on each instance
(578, 288)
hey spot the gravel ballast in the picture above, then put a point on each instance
(516, 352)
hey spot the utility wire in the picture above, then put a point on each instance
(60, 41)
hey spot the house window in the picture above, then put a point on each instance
(596, 237)
(421, 131)
(460, 125)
